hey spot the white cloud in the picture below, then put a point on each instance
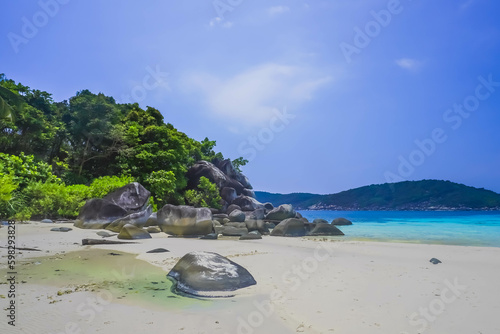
(409, 64)
(278, 10)
(250, 97)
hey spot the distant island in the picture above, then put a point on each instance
(432, 195)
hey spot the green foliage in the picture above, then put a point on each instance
(103, 185)
(86, 138)
(239, 162)
(206, 196)
(7, 187)
(163, 185)
(24, 169)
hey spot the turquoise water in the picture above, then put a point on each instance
(469, 228)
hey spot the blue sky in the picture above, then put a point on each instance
(321, 96)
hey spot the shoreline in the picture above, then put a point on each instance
(303, 285)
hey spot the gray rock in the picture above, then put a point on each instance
(138, 219)
(185, 220)
(434, 261)
(220, 217)
(105, 234)
(298, 215)
(282, 212)
(319, 221)
(254, 235)
(341, 221)
(291, 227)
(268, 206)
(258, 214)
(237, 216)
(212, 173)
(228, 194)
(231, 231)
(210, 236)
(153, 229)
(248, 192)
(132, 232)
(98, 213)
(257, 225)
(232, 207)
(152, 220)
(158, 250)
(324, 229)
(225, 221)
(208, 274)
(237, 225)
(132, 197)
(226, 166)
(61, 229)
(47, 221)
(247, 203)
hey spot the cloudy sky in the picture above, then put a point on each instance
(320, 96)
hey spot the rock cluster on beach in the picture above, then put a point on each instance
(126, 212)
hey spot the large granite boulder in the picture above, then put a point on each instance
(185, 220)
(138, 219)
(228, 194)
(237, 216)
(291, 227)
(233, 231)
(152, 220)
(226, 166)
(232, 207)
(214, 174)
(341, 221)
(282, 212)
(257, 225)
(132, 232)
(207, 274)
(248, 203)
(132, 197)
(319, 221)
(98, 213)
(324, 229)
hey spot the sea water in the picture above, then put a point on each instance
(468, 228)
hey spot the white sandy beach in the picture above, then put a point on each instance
(303, 285)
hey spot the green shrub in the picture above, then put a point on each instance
(162, 185)
(207, 195)
(7, 188)
(25, 169)
(103, 185)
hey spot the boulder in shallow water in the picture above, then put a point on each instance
(319, 221)
(341, 221)
(324, 229)
(291, 227)
(132, 232)
(185, 220)
(207, 274)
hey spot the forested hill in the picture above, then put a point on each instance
(50, 150)
(409, 195)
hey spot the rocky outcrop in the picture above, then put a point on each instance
(207, 274)
(247, 203)
(341, 221)
(282, 212)
(185, 220)
(291, 227)
(322, 229)
(228, 194)
(98, 213)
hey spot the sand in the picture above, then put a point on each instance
(305, 285)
